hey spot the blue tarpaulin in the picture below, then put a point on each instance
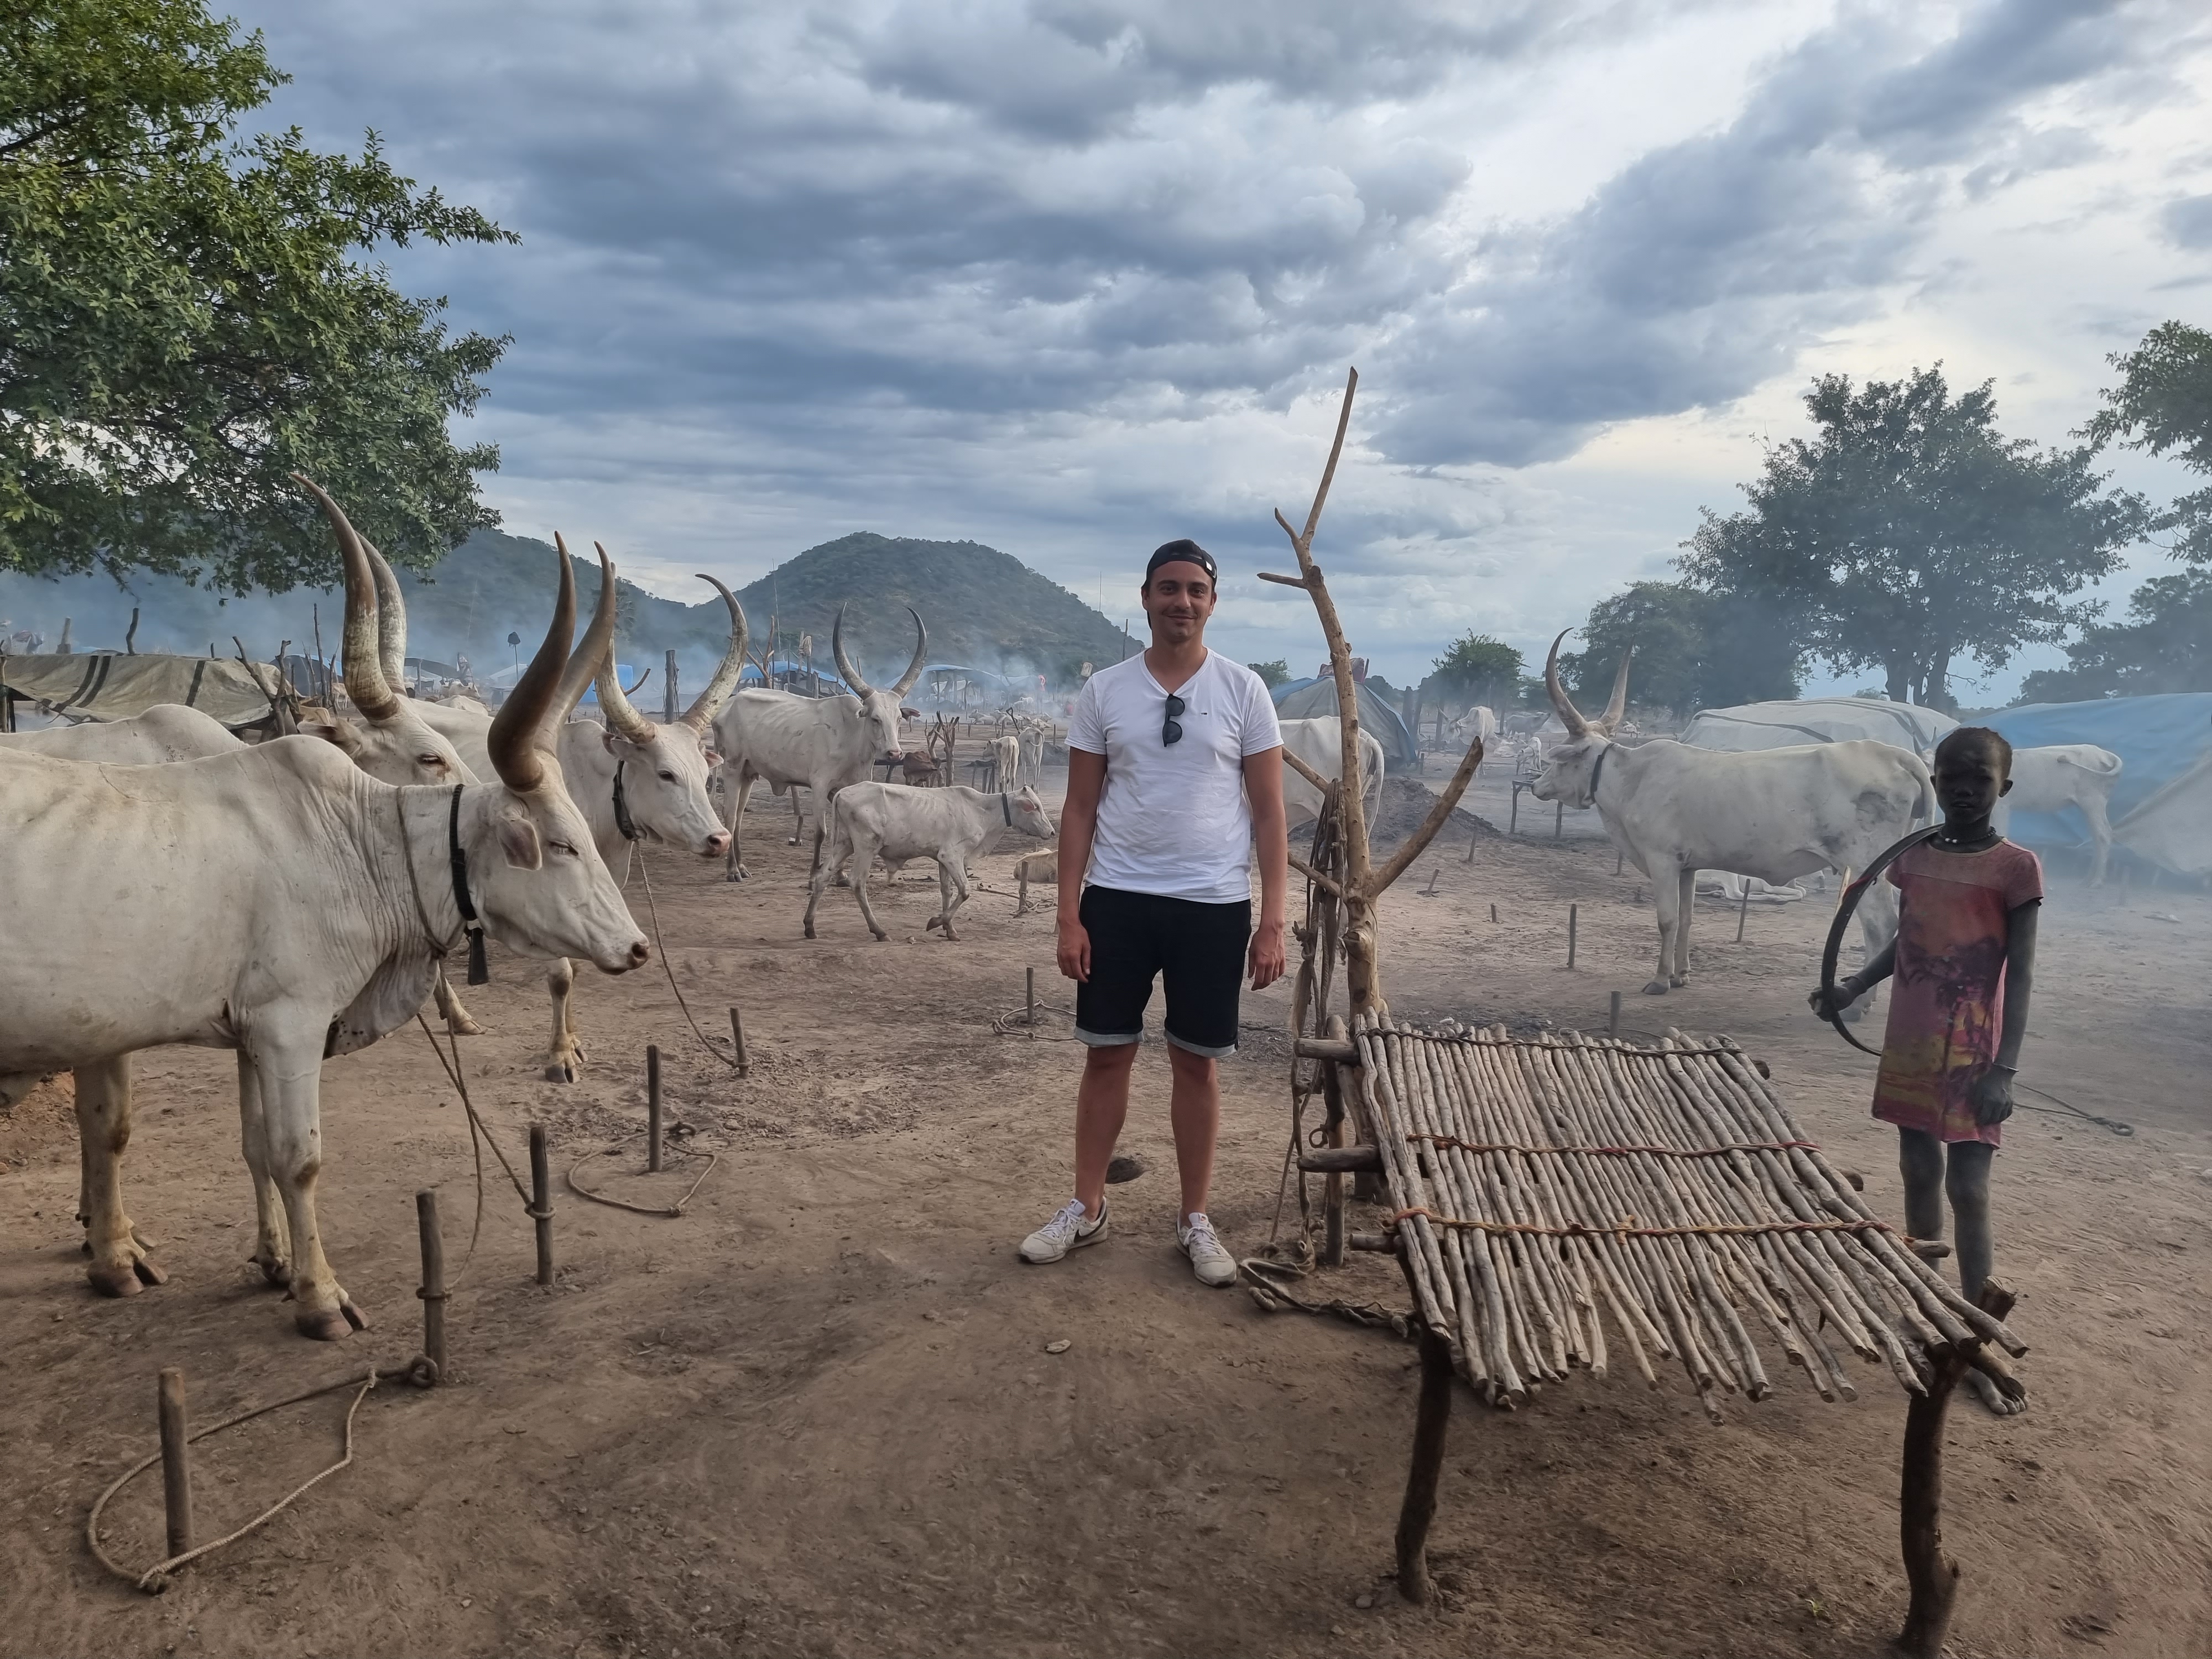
(2157, 739)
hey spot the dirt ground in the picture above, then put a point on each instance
(817, 1415)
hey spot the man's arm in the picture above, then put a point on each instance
(1078, 822)
(1993, 1095)
(1270, 839)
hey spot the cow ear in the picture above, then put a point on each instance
(517, 839)
(334, 731)
(711, 755)
(607, 738)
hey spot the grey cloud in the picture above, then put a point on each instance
(2188, 222)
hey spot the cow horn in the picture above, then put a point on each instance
(391, 616)
(365, 681)
(852, 675)
(523, 729)
(596, 649)
(1576, 725)
(1617, 705)
(709, 703)
(622, 720)
(920, 650)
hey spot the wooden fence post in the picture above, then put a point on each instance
(652, 1109)
(434, 1280)
(176, 1466)
(1574, 916)
(541, 1202)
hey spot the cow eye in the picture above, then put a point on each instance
(436, 761)
(561, 846)
(667, 777)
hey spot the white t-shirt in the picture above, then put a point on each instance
(1173, 819)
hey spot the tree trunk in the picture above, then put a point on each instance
(1899, 680)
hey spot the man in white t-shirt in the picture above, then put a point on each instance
(1174, 775)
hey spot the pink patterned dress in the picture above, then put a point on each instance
(1946, 999)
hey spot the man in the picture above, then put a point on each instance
(1175, 774)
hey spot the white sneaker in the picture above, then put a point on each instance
(1067, 1231)
(1209, 1257)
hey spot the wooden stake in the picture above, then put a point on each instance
(668, 704)
(1471, 839)
(1336, 1133)
(1613, 1020)
(1618, 858)
(1493, 912)
(176, 1466)
(1559, 819)
(1029, 974)
(541, 1202)
(738, 1037)
(1431, 1419)
(1574, 914)
(1430, 890)
(434, 1280)
(1743, 908)
(652, 1109)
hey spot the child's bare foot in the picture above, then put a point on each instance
(2000, 1403)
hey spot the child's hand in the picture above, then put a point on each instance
(1993, 1095)
(1825, 1004)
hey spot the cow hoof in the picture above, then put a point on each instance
(934, 923)
(330, 1325)
(114, 1279)
(1679, 981)
(463, 1026)
(810, 930)
(148, 1273)
(1657, 988)
(558, 1071)
(274, 1268)
(881, 937)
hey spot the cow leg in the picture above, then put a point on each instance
(951, 890)
(864, 851)
(457, 1018)
(1667, 899)
(1877, 926)
(118, 1265)
(1686, 903)
(289, 1068)
(817, 879)
(565, 1058)
(272, 1247)
(2101, 832)
(798, 821)
(733, 803)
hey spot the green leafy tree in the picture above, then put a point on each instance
(2166, 645)
(1478, 669)
(1910, 532)
(1272, 674)
(183, 321)
(2163, 405)
(1694, 649)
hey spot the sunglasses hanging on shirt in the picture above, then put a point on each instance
(1171, 732)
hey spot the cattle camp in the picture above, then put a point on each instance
(1110, 830)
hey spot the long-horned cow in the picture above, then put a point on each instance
(824, 742)
(1774, 814)
(280, 902)
(633, 779)
(953, 825)
(2054, 776)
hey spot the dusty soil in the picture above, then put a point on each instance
(816, 1415)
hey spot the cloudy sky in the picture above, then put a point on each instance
(1072, 278)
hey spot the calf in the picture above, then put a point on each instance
(951, 825)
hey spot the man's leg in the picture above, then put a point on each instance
(1102, 1103)
(1920, 1160)
(1196, 1112)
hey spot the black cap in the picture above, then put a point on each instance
(1182, 552)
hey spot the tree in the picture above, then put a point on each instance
(183, 323)
(2164, 403)
(1478, 669)
(2166, 645)
(1272, 674)
(1910, 532)
(1694, 649)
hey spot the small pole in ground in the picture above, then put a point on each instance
(176, 1467)
(738, 1036)
(1743, 908)
(1493, 912)
(1559, 819)
(434, 1280)
(652, 1109)
(1574, 912)
(1613, 1020)
(1620, 857)
(1430, 890)
(541, 1202)
(1029, 974)
(1472, 836)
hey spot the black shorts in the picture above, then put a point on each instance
(1198, 947)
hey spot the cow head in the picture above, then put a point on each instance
(665, 768)
(1570, 771)
(390, 742)
(535, 871)
(881, 709)
(1030, 816)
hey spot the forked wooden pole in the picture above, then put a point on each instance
(1431, 1424)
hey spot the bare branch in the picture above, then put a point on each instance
(1343, 420)
(1298, 582)
(1305, 771)
(1314, 876)
(1418, 842)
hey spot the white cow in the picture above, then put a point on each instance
(1478, 725)
(953, 825)
(633, 779)
(1319, 743)
(1007, 760)
(1773, 813)
(824, 742)
(167, 732)
(279, 902)
(2052, 777)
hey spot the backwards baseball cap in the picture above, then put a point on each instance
(1180, 552)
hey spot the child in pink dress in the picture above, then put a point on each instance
(1962, 960)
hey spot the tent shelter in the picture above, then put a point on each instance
(1305, 700)
(108, 685)
(2159, 740)
(1817, 719)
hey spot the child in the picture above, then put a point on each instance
(1963, 957)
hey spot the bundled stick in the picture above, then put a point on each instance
(1541, 1185)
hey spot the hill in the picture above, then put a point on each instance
(984, 608)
